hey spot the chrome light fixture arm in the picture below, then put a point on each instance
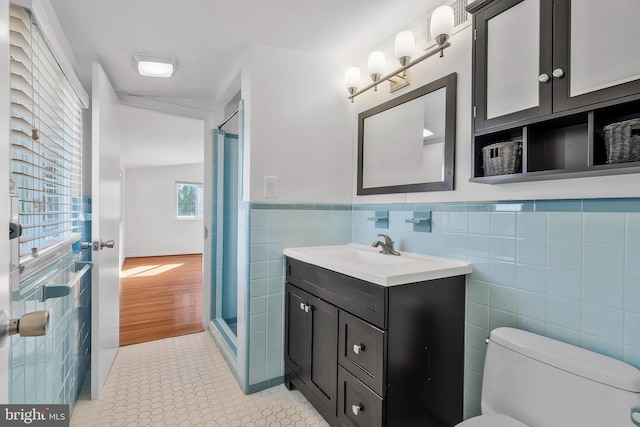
(398, 73)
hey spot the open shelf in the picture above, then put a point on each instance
(564, 146)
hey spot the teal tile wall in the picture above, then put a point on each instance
(51, 369)
(563, 268)
(273, 228)
(567, 269)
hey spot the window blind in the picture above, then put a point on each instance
(46, 140)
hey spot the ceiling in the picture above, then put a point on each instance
(208, 37)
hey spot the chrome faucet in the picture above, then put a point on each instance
(386, 247)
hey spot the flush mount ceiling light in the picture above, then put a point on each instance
(154, 66)
(441, 24)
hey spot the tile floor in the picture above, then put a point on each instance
(184, 381)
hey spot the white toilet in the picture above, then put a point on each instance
(531, 380)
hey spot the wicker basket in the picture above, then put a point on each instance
(622, 141)
(502, 158)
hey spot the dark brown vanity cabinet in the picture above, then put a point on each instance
(552, 74)
(367, 355)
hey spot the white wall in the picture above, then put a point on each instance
(457, 59)
(298, 127)
(151, 226)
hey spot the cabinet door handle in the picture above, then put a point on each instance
(357, 348)
(307, 308)
(558, 73)
(301, 306)
(543, 78)
(356, 409)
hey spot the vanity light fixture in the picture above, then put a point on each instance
(154, 66)
(441, 29)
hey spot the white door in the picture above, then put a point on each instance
(105, 188)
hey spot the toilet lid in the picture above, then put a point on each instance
(491, 420)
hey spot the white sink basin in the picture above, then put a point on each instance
(367, 263)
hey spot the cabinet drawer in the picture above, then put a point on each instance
(362, 350)
(358, 405)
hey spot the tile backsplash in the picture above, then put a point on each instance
(567, 269)
(562, 268)
(273, 228)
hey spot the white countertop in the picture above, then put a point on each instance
(366, 263)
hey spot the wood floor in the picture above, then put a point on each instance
(160, 297)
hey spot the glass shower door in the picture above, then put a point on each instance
(227, 188)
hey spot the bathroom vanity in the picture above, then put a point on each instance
(376, 340)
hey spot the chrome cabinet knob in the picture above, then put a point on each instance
(558, 73)
(357, 348)
(543, 78)
(356, 409)
(301, 306)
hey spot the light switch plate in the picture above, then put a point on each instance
(270, 187)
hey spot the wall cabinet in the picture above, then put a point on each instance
(552, 74)
(368, 355)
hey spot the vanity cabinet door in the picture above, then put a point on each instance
(311, 345)
(296, 341)
(597, 47)
(512, 57)
(321, 377)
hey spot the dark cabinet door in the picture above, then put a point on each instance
(512, 62)
(596, 54)
(323, 364)
(311, 345)
(534, 58)
(296, 331)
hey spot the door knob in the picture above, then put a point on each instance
(558, 73)
(356, 409)
(28, 325)
(108, 244)
(97, 245)
(358, 348)
(543, 78)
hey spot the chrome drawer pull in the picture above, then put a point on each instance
(358, 348)
(356, 409)
(301, 306)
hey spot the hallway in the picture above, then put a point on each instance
(160, 297)
(184, 381)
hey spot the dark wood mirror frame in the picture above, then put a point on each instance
(448, 82)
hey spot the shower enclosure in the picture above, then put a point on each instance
(227, 197)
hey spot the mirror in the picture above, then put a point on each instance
(407, 144)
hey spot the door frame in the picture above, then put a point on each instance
(5, 170)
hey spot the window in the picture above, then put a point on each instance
(190, 200)
(46, 140)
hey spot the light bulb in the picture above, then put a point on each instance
(441, 24)
(352, 78)
(376, 65)
(405, 45)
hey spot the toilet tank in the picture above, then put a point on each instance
(547, 383)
